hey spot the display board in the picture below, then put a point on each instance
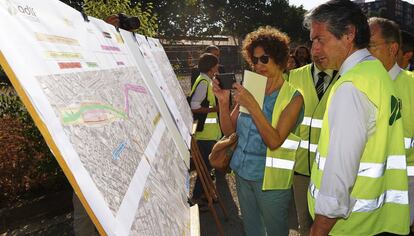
(99, 115)
(168, 85)
(133, 41)
(172, 82)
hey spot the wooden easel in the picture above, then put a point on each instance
(209, 188)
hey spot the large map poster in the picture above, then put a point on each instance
(90, 100)
(168, 74)
(169, 86)
(133, 41)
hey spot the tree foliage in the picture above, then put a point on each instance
(226, 17)
(77, 4)
(177, 18)
(27, 165)
(102, 9)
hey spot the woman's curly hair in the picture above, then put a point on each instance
(274, 42)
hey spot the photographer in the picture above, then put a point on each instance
(203, 106)
(124, 21)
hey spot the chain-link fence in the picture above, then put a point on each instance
(185, 57)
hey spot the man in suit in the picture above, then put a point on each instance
(314, 81)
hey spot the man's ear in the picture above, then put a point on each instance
(350, 34)
(394, 49)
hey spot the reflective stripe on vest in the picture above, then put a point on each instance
(278, 171)
(211, 121)
(314, 123)
(211, 129)
(283, 163)
(367, 205)
(380, 188)
(290, 144)
(305, 144)
(372, 170)
(410, 170)
(279, 163)
(409, 143)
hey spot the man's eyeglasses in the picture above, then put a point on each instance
(264, 59)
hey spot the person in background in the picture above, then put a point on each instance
(406, 52)
(358, 181)
(303, 56)
(113, 20)
(264, 157)
(204, 108)
(315, 82)
(195, 72)
(384, 45)
(292, 63)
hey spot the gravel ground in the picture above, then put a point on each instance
(226, 186)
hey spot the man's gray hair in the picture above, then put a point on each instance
(339, 15)
(390, 31)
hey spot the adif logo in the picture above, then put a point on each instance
(7, 4)
(27, 10)
(14, 9)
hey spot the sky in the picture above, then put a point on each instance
(309, 4)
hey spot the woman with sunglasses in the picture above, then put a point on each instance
(264, 158)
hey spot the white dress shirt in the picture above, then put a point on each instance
(200, 93)
(395, 71)
(352, 119)
(326, 80)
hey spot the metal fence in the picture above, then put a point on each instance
(185, 57)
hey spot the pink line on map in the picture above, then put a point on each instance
(135, 88)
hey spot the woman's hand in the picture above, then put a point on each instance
(221, 94)
(244, 98)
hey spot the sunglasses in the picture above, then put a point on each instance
(264, 59)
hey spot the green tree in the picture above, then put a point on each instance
(289, 19)
(178, 18)
(102, 9)
(77, 4)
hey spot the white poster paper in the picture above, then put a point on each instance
(98, 116)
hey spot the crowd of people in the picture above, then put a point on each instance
(336, 129)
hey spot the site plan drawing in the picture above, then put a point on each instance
(91, 101)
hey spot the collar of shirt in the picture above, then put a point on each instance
(408, 66)
(206, 77)
(355, 58)
(316, 71)
(395, 70)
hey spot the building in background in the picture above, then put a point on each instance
(397, 10)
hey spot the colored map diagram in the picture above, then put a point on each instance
(104, 120)
(97, 129)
